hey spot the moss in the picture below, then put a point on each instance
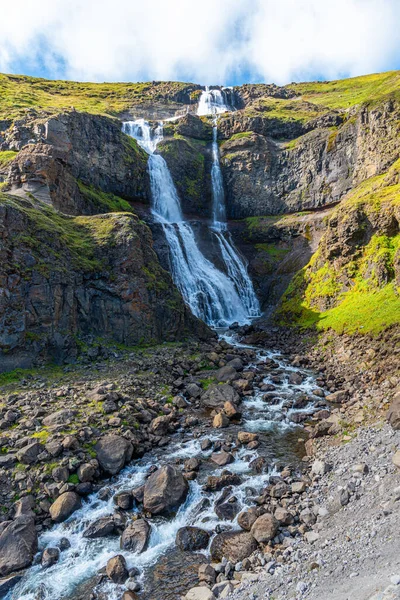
(74, 479)
(42, 435)
(49, 372)
(330, 144)
(104, 201)
(273, 252)
(242, 134)
(207, 382)
(6, 156)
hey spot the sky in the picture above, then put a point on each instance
(226, 42)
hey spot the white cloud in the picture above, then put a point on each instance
(215, 41)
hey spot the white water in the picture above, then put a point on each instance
(211, 294)
(212, 102)
(86, 557)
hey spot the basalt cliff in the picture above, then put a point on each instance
(310, 177)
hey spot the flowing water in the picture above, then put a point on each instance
(211, 294)
(213, 102)
(278, 437)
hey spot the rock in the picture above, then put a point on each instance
(135, 537)
(247, 518)
(200, 593)
(393, 415)
(319, 467)
(217, 395)
(226, 374)
(28, 454)
(7, 461)
(215, 483)
(124, 500)
(223, 589)
(220, 421)
(86, 472)
(298, 487)
(235, 363)
(192, 538)
(205, 444)
(64, 506)
(160, 425)
(296, 378)
(129, 596)
(245, 437)
(60, 474)
(265, 528)
(49, 557)
(100, 528)
(113, 452)
(207, 574)
(231, 410)
(283, 516)
(337, 397)
(25, 506)
(396, 459)
(7, 584)
(117, 569)
(311, 536)
(234, 546)
(18, 545)
(193, 390)
(227, 509)
(165, 490)
(61, 417)
(192, 464)
(222, 458)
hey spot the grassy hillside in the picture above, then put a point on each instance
(352, 283)
(18, 92)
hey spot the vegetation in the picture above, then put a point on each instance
(18, 93)
(105, 202)
(6, 156)
(359, 291)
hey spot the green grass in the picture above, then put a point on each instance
(6, 156)
(18, 93)
(359, 292)
(73, 479)
(50, 372)
(104, 201)
(273, 251)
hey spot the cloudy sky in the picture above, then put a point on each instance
(214, 41)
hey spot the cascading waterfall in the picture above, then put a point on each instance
(212, 102)
(210, 293)
(235, 264)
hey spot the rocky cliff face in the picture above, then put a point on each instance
(266, 175)
(69, 159)
(64, 280)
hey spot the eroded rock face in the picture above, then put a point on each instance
(113, 452)
(233, 545)
(113, 287)
(165, 490)
(18, 545)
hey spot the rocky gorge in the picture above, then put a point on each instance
(243, 459)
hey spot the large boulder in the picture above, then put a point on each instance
(192, 538)
(117, 569)
(28, 454)
(102, 527)
(64, 506)
(233, 545)
(265, 528)
(200, 593)
(165, 490)
(113, 452)
(393, 415)
(61, 417)
(217, 395)
(18, 545)
(136, 536)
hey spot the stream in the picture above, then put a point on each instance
(270, 415)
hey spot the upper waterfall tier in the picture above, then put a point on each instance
(213, 102)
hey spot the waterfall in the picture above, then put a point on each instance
(212, 102)
(211, 294)
(235, 263)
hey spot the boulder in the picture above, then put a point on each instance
(265, 528)
(165, 490)
(200, 593)
(135, 537)
(18, 545)
(192, 538)
(233, 545)
(221, 421)
(117, 569)
(247, 518)
(100, 528)
(160, 425)
(61, 417)
(86, 472)
(64, 506)
(226, 374)
(217, 395)
(215, 482)
(49, 557)
(231, 410)
(28, 454)
(393, 415)
(227, 508)
(222, 458)
(113, 452)
(396, 459)
(245, 437)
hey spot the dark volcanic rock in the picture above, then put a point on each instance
(18, 545)
(165, 490)
(192, 538)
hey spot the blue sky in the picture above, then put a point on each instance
(217, 41)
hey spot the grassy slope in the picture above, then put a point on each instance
(18, 92)
(359, 293)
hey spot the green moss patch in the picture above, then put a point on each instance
(6, 156)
